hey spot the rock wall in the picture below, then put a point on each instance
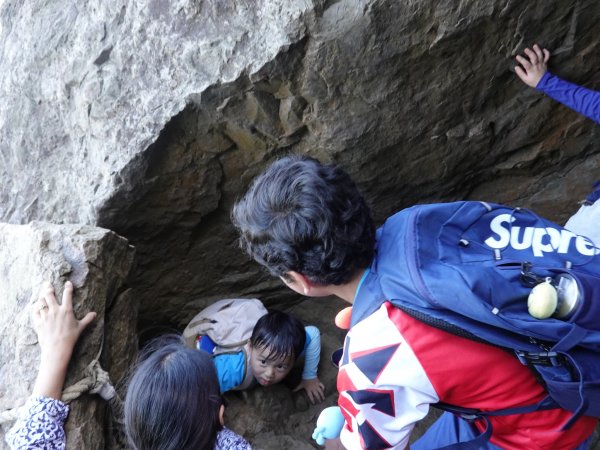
(103, 78)
(150, 119)
(416, 99)
(97, 262)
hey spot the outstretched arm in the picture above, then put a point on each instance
(532, 70)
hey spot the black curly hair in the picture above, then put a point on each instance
(303, 216)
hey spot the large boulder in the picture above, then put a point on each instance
(97, 262)
(151, 118)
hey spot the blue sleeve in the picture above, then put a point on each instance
(584, 101)
(41, 425)
(230, 370)
(312, 353)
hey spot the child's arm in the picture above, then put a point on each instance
(312, 353)
(533, 72)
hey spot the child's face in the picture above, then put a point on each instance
(267, 370)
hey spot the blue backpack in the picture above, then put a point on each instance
(469, 269)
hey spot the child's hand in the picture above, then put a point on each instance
(58, 331)
(314, 389)
(532, 67)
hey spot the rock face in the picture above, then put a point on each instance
(150, 119)
(97, 262)
(82, 69)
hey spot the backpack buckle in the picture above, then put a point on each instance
(528, 278)
(539, 358)
(467, 414)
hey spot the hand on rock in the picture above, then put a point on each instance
(58, 330)
(533, 65)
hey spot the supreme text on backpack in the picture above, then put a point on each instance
(469, 268)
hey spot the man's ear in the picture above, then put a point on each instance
(303, 284)
(222, 415)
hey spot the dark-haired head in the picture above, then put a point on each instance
(303, 216)
(173, 399)
(276, 342)
(281, 334)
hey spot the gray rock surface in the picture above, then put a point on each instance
(103, 78)
(97, 262)
(150, 119)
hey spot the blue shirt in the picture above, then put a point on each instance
(584, 101)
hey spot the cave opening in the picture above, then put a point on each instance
(174, 207)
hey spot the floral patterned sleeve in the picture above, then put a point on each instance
(228, 440)
(40, 426)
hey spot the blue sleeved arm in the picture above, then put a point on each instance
(230, 370)
(584, 101)
(41, 425)
(312, 353)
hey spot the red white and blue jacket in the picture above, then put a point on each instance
(394, 367)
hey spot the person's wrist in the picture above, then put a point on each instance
(539, 80)
(53, 358)
(50, 379)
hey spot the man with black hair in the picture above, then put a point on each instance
(309, 225)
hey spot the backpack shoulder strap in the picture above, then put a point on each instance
(484, 436)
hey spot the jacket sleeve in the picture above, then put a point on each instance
(372, 420)
(40, 426)
(312, 353)
(384, 389)
(583, 100)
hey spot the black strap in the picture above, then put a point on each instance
(471, 415)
